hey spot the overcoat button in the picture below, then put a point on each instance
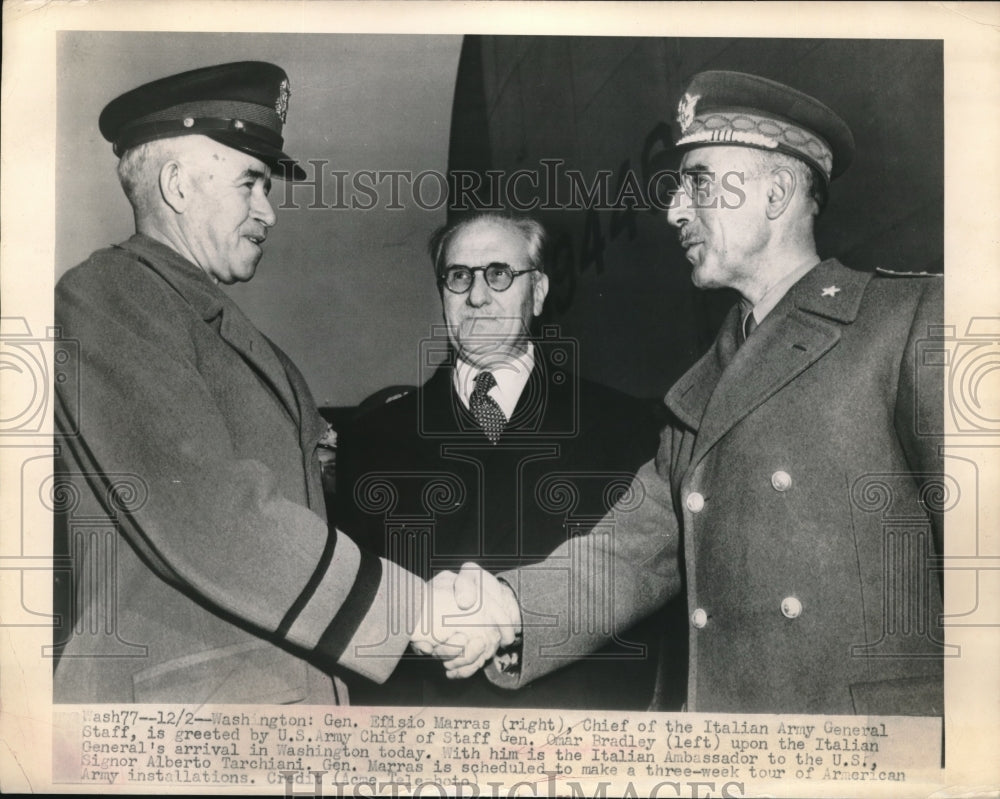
(695, 502)
(781, 481)
(699, 618)
(791, 607)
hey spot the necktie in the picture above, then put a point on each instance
(485, 409)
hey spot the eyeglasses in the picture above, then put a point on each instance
(697, 182)
(670, 186)
(458, 279)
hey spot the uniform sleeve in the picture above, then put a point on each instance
(212, 522)
(595, 584)
(919, 412)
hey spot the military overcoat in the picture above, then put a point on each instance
(796, 499)
(210, 575)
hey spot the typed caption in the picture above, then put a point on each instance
(356, 751)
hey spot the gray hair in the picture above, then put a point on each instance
(532, 230)
(813, 183)
(139, 170)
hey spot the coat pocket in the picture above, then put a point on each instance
(249, 672)
(906, 696)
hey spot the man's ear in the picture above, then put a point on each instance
(780, 191)
(172, 186)
(541, 291)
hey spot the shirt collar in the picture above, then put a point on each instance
(774, 294)
(511, 376)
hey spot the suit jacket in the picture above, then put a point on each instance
(795, 499)
(203, 566)
(418, 481)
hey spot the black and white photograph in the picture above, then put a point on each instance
(529, 406)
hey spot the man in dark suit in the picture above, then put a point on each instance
(501, 455)
(802, 468)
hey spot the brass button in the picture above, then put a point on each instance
(695, 502)
(791, 607)
(699, 618)
(188, 122)
(781, 480)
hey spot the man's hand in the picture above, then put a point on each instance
(466, 618)
(433, 629)
(494, 613)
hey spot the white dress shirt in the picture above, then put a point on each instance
(511, 375)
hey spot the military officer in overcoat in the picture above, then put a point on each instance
(798, 444)
(193, 440)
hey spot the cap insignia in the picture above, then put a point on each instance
(281, 104)
(685, 110)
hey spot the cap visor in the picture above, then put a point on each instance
(282, 165)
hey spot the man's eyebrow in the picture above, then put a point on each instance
(698, 167)
(256, 174)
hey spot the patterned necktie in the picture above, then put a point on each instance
(485, 409)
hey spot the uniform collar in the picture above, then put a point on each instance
(186, 278)
(215, 306)
(799, 322)
(774, 294)
(830, 290)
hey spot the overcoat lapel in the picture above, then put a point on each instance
(257, 351)
(312, 425)
(726, 385)
(537, 398)
(441, 410)
(211, 304)
(771, 358)
(690, 395)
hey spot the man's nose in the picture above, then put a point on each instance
(261, 209)
(480, 293)
(679, 211)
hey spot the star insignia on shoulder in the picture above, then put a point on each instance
(830, 291)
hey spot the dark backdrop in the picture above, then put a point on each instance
(621, 284)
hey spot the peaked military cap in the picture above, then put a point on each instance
(242, 105)
(733, 108)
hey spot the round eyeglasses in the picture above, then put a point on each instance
(458, 279)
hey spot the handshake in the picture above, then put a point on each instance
(466, 618)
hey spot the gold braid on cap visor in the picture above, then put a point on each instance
(740, 127)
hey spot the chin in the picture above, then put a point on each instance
(485, 354)
(698, 279)
(702, 278)
(477, 350)
(245, 273)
